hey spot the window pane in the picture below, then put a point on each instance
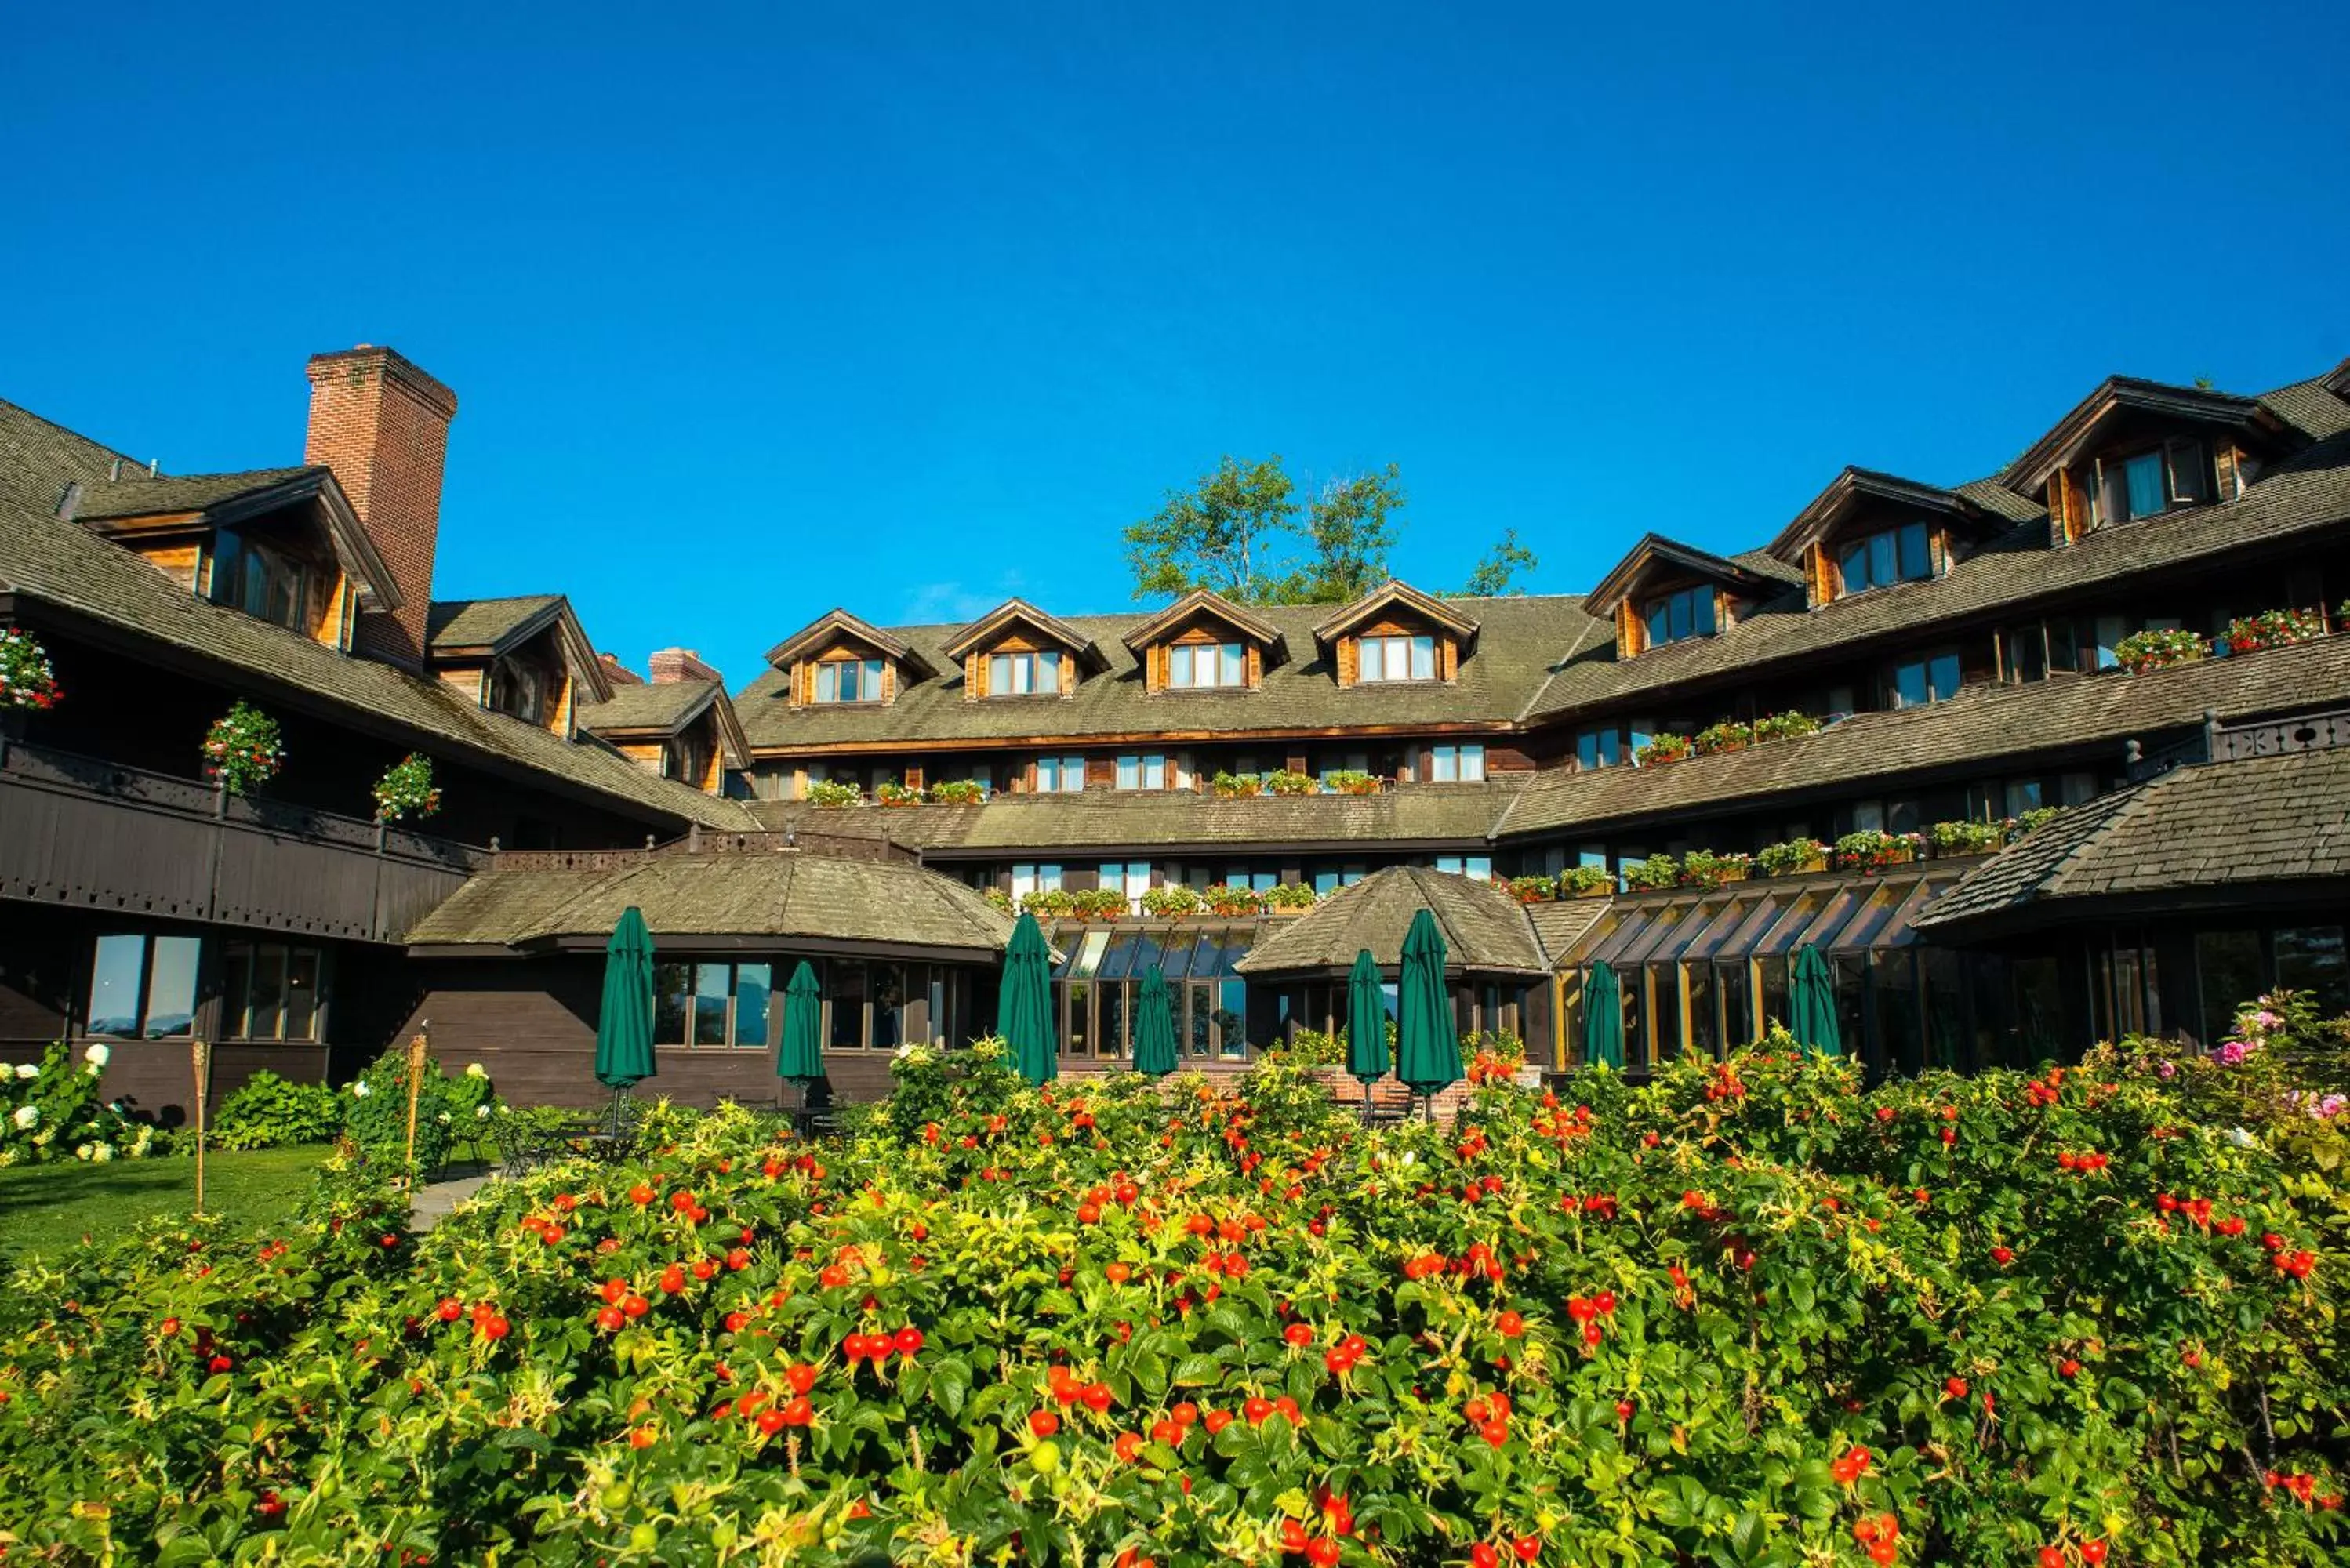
(2022, 795)
(673, 1002)
(845, 989)
(1443, 765)
(1472, 763)
(2312, 958)
(114, 985)
(2144, 473)
(1944, 673)
(827, 682)
(1130, 772)
(1909, 686)
(1882, 568)
(1678, 610)
(1853, 567)
(711, 984)
(236, 977)
(172, 987)
(266, 998)
(1179, 667)
(1660, 630)
(1235, 671)
(1048, 879)
(1424, 658)
(1586, 748)
(301, 993)
(753, 984)
(1917, 556)
(888, 1005)
(1048, 672)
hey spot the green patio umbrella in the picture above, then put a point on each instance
(801, 1060)
(1811, 1001)
(1024, 1008)
(1603, 1018)
(1428, 1053)
(624, 1028)
(1366, 1024)
(1154, 1026)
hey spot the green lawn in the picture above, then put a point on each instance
(46, 1209)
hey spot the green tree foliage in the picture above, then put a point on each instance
(1242, 532)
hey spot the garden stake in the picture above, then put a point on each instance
(415, 1084)
(200, 1055)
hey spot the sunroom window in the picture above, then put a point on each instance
(1195, 665)
(1677, 617)
(1397, 658)
(848, 681)
(1023, 674)
(1903, 555)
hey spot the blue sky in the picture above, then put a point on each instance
(908, 308)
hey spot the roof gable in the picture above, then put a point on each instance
(1655, 553)
(1485, 927)
(1205, 601)
(1019, 612)
(837, 624)
(225, 500)
(459, 631)
(2118, 398)
(1857, 488)
(664, 710)
(1390, 595)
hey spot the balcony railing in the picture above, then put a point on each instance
(83, 831)
(788, 841)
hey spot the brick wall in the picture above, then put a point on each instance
(670, 665)
(382, 425)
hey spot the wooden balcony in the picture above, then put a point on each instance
(82, 833)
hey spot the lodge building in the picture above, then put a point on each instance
(1243, 796)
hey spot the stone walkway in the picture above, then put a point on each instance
(435, 1198)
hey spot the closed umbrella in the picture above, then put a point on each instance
(624, 1026)
(1428, 1053)
(801, 1060)
(1023, 1007)
(1603, 1018)
(1811, 1003)
(1366, 1024)
(1154, 1026)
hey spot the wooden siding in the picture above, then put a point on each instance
(177, 560)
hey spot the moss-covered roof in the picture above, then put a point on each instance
(1485, 927)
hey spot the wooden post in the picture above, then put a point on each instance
(200, 1056)
(416, 1049)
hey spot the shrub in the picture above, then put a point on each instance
(1748, 1301)
(890, 793)
(1704, 868)
(1285, 781)
(1291, 895)
(1868, 849)
(1313, 1048)
(1585, 880)
(1101, 904)
(1792, 724)
(1791, 857)
(958, 792)
(1048, 901)
(1967, 838)
(999, 898)
(1232, 785)
(2272, 628)
(1533, 889)
(271, 1112)
(1229, 900)
(1664, 748)
(407, 790)
(50, 1110)
(2143, 650)
(242, 751)
(375, 1110)
(1173, 901)
(1728, 735)
(834, 794)
(1351, 781)
(27, 680)
(1653, 874)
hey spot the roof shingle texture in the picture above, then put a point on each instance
(2261, 820)
(760, 894)
(663, 705)
(55, 562)
(140, 496)
(483, 623)
(1485, 927)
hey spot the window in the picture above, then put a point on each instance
(1191, 666)
(1132, 877)
(711, 1005)
(144, 988)
(844, 991)
(256, 579)
(2140, 485)
(1146, 770)
(1930, 679)
(1676, 616)
(1397, 659)
(1023, 674)
(1456, 764)
(848, 681)
(1060, 775)
(2022, 795)
(1030, 877)
(1255, 881)
(1345, 763)
(269, 991)
(1601, 747)
(517, 688)
(1479, 867)
(1903, 555)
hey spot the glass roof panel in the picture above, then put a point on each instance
(1742, 938)
(1730, 917)
(1178, 959)
(1898, 932)
(1821, 932)
(1632, 925)
(1870, 918)
(1661, 929)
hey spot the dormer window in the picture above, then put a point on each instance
(1204, 666)
(1024, 674)
(256, 579)
(1902, 554)
(2144, 483)
(1678, 617)
(848, 681)
(516, 688)
(1397, 658)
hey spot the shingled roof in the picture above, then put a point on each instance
(138, 496)
(488, 626)
(664, 708)
(2261, 831)
(46, 561)
(813, 902)
(1485, 929)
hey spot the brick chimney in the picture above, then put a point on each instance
(671, 665)
(382, 425)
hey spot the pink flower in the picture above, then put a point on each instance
(2233, 1053)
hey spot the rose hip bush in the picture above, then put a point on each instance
(1748, 1313)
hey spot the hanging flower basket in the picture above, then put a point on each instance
(243, 752)
(406, 790)
(26, 679)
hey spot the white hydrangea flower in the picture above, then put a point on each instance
(359, 1089)
(82, 1151)
(102, 1152)
(444, 1118)
(480, 1113)
(2241, 1138)
(99, 1054)
(28, 1069)
(27, 1116)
